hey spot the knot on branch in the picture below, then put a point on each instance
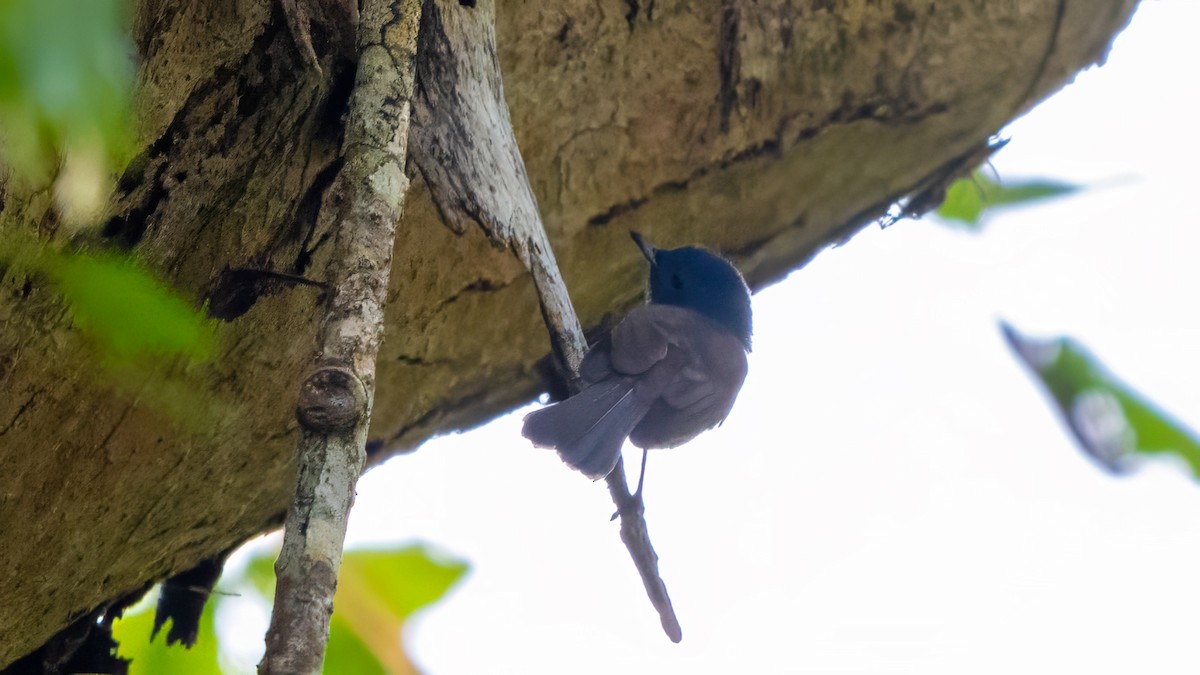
(332, 398)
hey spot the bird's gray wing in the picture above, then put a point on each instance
(597, 366)
(641, 339)
(697, 392)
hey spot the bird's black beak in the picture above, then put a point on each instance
(645, 247)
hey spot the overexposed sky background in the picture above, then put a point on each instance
(891, 494)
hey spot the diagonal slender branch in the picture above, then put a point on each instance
(364, 203)
(636, 538)
(463, 142)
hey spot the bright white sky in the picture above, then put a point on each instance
(891, 493)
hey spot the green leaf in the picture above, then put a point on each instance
(115, 301)
(404, 580)
(346, 653)
(968, 199)
(963, 203)
(66, 72)
(260, 572)
(377, 591)
(126, 309)
(1109, 420)
(132, 633)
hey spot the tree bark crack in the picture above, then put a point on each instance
(1060, 11)
(25, 407)
(729, 61)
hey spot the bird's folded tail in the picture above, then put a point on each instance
(589, 428)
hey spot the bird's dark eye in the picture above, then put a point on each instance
(676, 282)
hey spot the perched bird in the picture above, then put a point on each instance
(668, 371)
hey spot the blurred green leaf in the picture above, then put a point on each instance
(967, 199)
(346, 653)
(1108, 418)
(404, 580)
(129, 311)
(66, 72)
(260, 572)
(132, 633)
(377, 591)
(114, 300)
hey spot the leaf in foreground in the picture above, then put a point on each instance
(1111, 422)
(117, 302)
(66, 72)
(377, 591)
(968, 199)
(127, 310)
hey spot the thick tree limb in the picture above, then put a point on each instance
(463, 142)
(767, 129)
(335, 400)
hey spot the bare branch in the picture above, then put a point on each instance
(464, 144)
(364, 204)
(636, 537)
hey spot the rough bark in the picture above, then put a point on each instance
(363, 206)
(766, 129)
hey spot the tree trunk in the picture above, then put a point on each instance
(766, 129)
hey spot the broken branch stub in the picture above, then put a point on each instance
(331, 399)
(363, 206)
(462, 140)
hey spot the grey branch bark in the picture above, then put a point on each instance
(463, 142)
(334, 410)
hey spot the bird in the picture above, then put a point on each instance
(668, 371)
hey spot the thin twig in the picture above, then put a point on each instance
(363, 206)
(569, 345)
(636, 537)
(464, 144)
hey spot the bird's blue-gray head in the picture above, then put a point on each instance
(701, 281)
